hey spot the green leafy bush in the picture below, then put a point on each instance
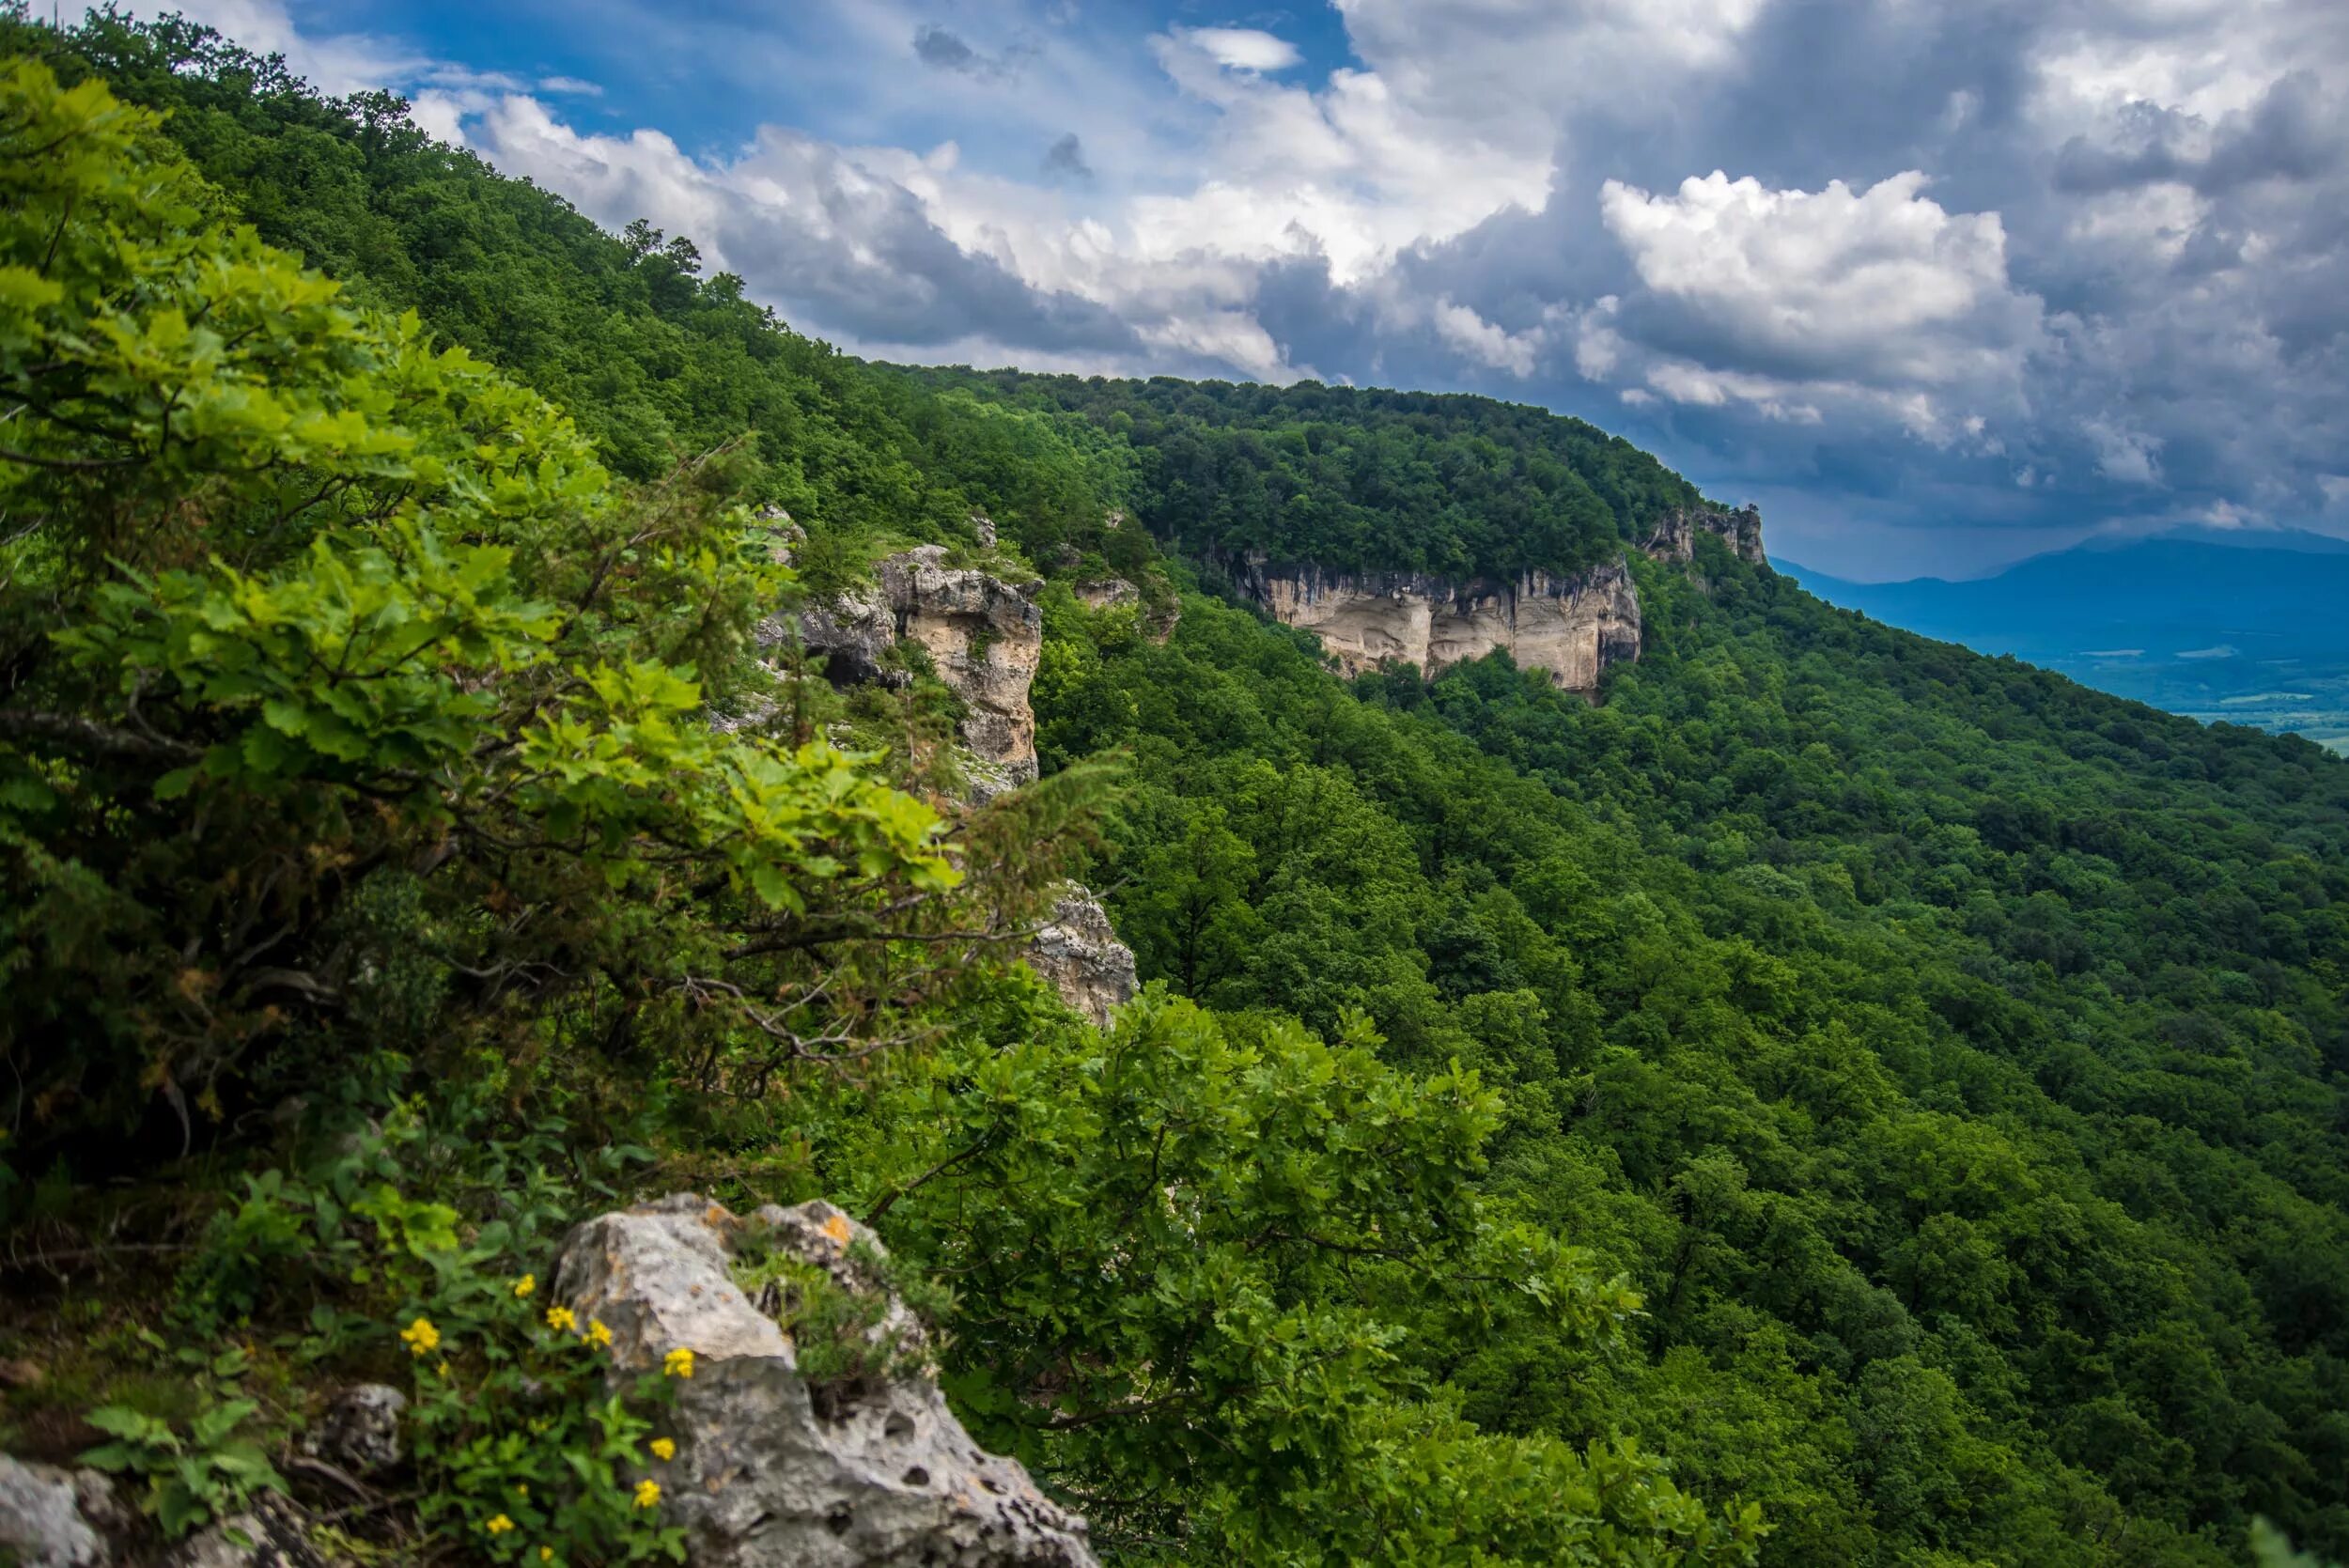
(208, 1474)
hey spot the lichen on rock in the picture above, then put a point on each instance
(771, 1469)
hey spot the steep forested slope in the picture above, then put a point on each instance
(1951, 1058)
(1951, 1053)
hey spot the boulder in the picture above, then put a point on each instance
(271, 1533)
(359, 1429)
(1079, 953)
(54, 1518)
(773, 1467)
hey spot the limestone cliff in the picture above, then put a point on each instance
(1675, 537)
(1572, 628)
(984, 638)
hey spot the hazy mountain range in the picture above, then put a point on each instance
(2248, 627)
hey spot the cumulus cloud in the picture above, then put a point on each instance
(1243, 48)
(1939, 281)
(1789, 299)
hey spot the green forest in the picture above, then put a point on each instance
(1836, 1099)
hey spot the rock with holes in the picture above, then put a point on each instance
(776, 1467)
(359, 1429)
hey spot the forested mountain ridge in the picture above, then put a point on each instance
(1945, 1059)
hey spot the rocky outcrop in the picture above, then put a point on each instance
(359, 1430)
(773, 1468)
(984, 638)
(52, 1518)
(1079, 954)
(1571, 627)
(1675, 537)
(1109, 591)
(848, 638)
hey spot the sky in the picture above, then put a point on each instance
(1938, 283)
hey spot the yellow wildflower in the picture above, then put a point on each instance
(523, 1286)
(598, 1333)
(562, 1318)
(499, 1526)
(678, 1363)
(522, 1489)
(441, 1368)
(664, 1449)
(546, 1554)
(647, 1493)
(420, 1337)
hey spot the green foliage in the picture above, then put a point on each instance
(1186, 1258)
(525, 1451)
(1938, 1067)
(210, 1473)
(350, 608)
(1361, 480)
(1876, 1008)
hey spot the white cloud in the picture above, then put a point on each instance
(1876, 294)
(2092, 249)
(1485, 343)
(1243, 48)
(2130, 456)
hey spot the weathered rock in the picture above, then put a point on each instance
(848, 638)
(54, 1518)
(268, 1534)
(770, 1469)
(1571, 627)
(984, 638)
(1079, 953)
(359, 1429)
(1675, 537)
(984, 527)
(1108, 591)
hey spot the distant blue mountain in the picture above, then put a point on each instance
(2247, 625)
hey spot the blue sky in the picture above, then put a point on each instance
(1939, 283)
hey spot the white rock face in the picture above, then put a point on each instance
(46, 1515)
(1675, 537)
(1079, 954)
(1107, 592)
(985, 638)
(771, 1471)
(1571, 627)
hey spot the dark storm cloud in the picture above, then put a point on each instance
(2179, 286)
